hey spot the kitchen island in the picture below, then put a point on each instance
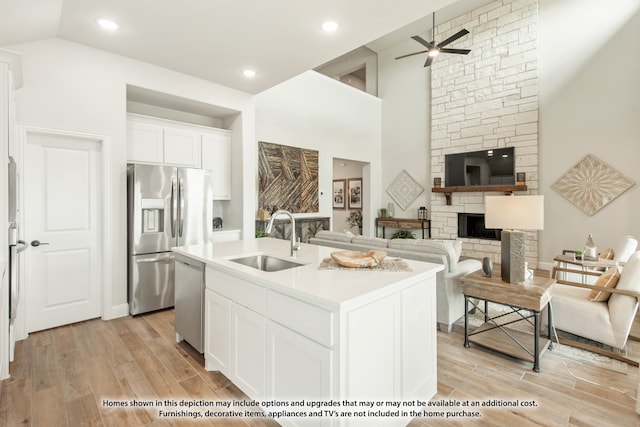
(317, 334)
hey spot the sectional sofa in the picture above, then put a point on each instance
(450, 301)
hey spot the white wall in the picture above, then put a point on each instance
(73, 87)
(316, 112)
(589, 103)
(403, 88)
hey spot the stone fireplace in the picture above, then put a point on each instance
(487, 99)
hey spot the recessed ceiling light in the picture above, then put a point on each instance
(248, 73)
(330, 26)
(107, 24)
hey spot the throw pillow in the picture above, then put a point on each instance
(607, 254)
(609, 279)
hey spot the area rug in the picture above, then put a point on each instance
(564, 351)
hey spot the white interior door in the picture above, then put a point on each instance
(62, 223)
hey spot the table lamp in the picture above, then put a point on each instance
(513, 214)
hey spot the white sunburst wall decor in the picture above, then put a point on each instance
(404, 189)
(592, 184)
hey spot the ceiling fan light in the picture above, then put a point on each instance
(433, 52)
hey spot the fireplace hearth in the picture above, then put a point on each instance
(471, 225)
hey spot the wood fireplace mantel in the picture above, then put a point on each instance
(506, 189)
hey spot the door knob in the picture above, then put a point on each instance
(36, 243)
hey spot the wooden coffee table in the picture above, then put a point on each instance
(527, 300)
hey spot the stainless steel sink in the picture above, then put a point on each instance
(266, 262)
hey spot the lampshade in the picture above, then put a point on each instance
(514, 212)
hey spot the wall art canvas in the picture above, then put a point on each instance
(355, 193)
(339, 199)
(404, 189)
(287, 178)
(592, 184)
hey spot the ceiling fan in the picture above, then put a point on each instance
(434, 49)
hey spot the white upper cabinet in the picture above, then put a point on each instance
(152, 140)
(216, 157)
(181, 147)
(144, 142)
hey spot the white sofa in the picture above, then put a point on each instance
(450, 301)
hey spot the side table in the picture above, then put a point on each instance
(586, 265)
(532, 297)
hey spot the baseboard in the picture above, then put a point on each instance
(121, 310)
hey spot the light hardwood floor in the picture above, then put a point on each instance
(61, 376)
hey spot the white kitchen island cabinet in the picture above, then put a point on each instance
(319, 334)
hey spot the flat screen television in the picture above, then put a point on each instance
(486, 167)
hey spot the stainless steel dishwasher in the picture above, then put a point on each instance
(189, 301)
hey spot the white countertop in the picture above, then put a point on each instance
(332, 288)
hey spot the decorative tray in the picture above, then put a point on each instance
(355, 259)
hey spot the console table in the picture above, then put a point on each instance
(404, 223)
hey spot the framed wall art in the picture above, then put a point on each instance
(288, 178)
(339, 199)
(355, 193)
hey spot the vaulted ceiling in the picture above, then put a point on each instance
(216, 39)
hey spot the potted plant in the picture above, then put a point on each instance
(355, 219)
(403, 234)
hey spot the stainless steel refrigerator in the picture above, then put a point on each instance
(167, 206)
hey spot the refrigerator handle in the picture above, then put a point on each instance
(182, 196)
(174, 207)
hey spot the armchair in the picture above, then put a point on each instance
(607, 319)
(624, 249)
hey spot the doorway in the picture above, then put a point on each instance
(350, 175)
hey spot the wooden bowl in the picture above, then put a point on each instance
(355, 259)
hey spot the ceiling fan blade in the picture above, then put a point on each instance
(460, 51)
(453, 38)
(422, 41)
(411, 54)
(428, 61)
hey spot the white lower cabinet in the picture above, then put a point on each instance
(281, 347)
(217, 340)
(235, 343)
(249, 350)
(298, 368)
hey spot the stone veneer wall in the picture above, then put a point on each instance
(487, 99)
